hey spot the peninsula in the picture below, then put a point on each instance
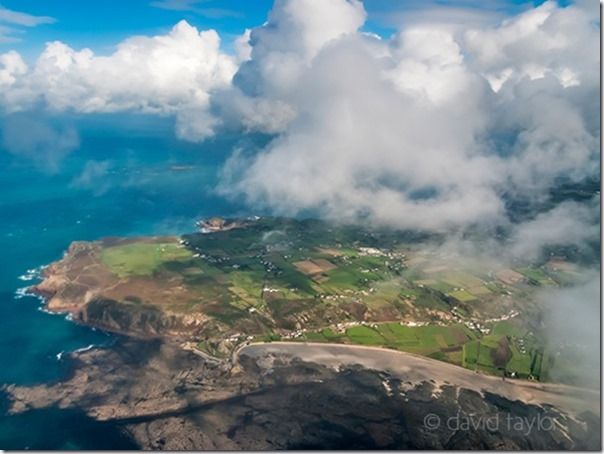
(273, 279)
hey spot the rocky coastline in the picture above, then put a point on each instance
(158, 396)
(155, 394)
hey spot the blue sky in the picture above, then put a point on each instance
(101, 24)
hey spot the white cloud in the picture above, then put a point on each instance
(360, 146)
(14, 21)
(12, 67)
(425, 130)
(411, 132)
(164, 74)
(24, 19)
(429, 63)
(547, 40)
(572, 330)
(196, 7)
(568, 224)
(242, 46)
(281, 51)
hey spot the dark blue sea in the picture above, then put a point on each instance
(126, 178)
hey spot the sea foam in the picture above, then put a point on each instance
(31, 274)
(60, 355)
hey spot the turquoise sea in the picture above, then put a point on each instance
(134, 178)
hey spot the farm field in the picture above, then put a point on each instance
(307, 280)
(439, 342)
(455, 344)
(509, 349)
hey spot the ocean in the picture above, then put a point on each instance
(128, 177)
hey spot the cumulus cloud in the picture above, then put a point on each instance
(367, 148)
(434, 128)
(547, 40)
(243, 47)
(165, 74)
(280, 52)
(12, 67)
(431, 129)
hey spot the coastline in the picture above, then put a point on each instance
(530, 392)
(70, 286)
(160, 396)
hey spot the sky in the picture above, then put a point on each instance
(100, 25)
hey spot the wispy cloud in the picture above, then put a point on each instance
(7, 34)
(177, 5)
(462, 13)
(23, 19)
(193, 6)
(13, 19)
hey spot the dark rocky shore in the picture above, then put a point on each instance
(154, 395)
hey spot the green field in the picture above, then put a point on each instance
(509, 329)
(462, 295)
(292, 279)
(141, 259)
(365, 336)
(440, 342)
(536, 276)
(480, 354)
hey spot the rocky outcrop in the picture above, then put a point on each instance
(162, 397)
(81, 284)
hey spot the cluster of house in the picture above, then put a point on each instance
(363, 251)
(513, 313)
(472, 324)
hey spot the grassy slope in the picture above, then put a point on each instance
(141, 259)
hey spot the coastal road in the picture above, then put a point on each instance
(414, 368)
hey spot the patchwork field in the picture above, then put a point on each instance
(305, 280)
(509, 349)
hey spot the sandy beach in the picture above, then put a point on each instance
(416, 368)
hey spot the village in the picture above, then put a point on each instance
(363, 291)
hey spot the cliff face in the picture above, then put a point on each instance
(81, 284)
(135, 319)
(73, 281)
